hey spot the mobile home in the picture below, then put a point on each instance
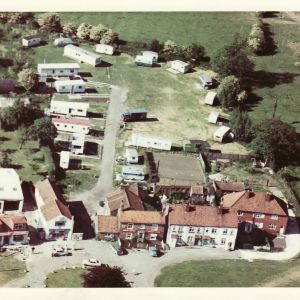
(205, 81)
(58, 69)
(180, 66)
(31, 40)
(105, 49)
(223, 134)
(63, 41)
(134, 115)
(64, 159)
(143, 61)
(151, 54)
(149, 141)
(210, 98)
(72, 125)
(82, 55)
(70, 86)
(69, 108)
(133, 173)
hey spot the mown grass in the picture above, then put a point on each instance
(221, 273)
(69, 278)
(10, 269)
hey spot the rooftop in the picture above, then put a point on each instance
(84, 51)
(71, 104)
(210, 98)
(142, 217)
(229, 186)
(134, 110)
(108, 224)
(29, 37)
(10, 186)
(221, 131)
(152, 137)
(70, 82)
(72, 121)
(59, 66)
(213, 117)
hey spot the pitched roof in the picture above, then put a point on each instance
(116, 199)
(229, 186)
(201, 216)
(142, 217)
(10, 186)
(29, 37)
(133, 196)
(197, 190)
(53, 205)
(108, 224)
(72, 121)
(7, 223)
(260, 202)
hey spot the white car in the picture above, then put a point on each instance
(91, 262)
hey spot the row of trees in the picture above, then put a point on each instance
(257, 41)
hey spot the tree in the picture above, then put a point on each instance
(156, 46)
(232, 60)
(229, 91)
(97, 32)
(29, 79)
(5, 160)
(43, 130)
(241, 125)
(105, 276)
(276, 142)
(256, 40)
(109, 37)
(70, 30)
(83, 31)
(16, 18)
(50, 22)
(193, 51)
(170, 50)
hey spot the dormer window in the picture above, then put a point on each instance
(19, 226)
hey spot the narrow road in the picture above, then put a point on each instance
(104, 185)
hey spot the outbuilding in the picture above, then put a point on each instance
(105, 49)
(180, 66)
(82, 55)
(210, 98)
(149, 141)
(58, 69)
(77, 142)
(64, 159)
(205, 81)
(72, 125)
(133, 173)
(213, 117)
(223, 134)
(70, 86)
(31, 40)
(135, 114)
(132, 156)
(69, 108)
(63, 41)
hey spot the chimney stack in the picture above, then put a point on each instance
(268, 196)
(247, 194)
(187, 207)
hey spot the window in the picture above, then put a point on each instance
(180, 229)
(190, 239)
(274, 217)
(153, 237)
(198, 229)
(272, 226)
(129, 226)
(174, 228)
(57, 125)
(72, 71)
(232, 232)
(65, 126)
(80, 87)
(207, 230)
(19, 226)
(259, 225)
(240, 213)
(128, 236)
(60, 223)
(214, 230)
(223, 241)
(18, 238)
(258, 216)
(225, 231)
(191, 229)
(142, 226)
(154, 227)
(79, 110)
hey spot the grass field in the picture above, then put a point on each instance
(228, 273)
(65, 279)
(10, 268)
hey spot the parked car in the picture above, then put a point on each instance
(117, 248)
(153, 251)
(91, 262)
(61, 253)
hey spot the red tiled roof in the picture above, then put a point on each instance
(229, 186)
(7, 224)
(259, 202)
(201, 216)
(132, 192)
(72, 121)
(108, 224)
(142, 217)
(116, 199)
(197, 190)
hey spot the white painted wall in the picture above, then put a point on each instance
(82, 55)
(72, 86)
(105, 49)
(149, 141)
(76, 128)
(69, 108)
(57, 71)
(31, 42)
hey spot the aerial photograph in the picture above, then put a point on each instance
(149, 149)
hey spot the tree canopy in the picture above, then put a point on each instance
(105, 276)
(28, 77)
(276, 142)
(50, 22)
(84, 31)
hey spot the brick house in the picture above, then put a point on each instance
(195, 225)
(13, 230)
(107, 228)
(141, 229)
(258, 209)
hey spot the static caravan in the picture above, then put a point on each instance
(64, 159)
(132, 156)
(223, 134)
(135, 114)
(205, 81)
(31, 40)
(70, 86)
(210, 98)
(72, 125)
(69, 108)
(143, 61)
(60, 69)
(180, 66)
(149, 141)
(213, 117)
(82, 55)
(77, 143)
(63, 41)
(105, 49)
(152, 55)
(133, 173)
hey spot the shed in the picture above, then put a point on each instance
(82, 55)
(63, 41)
(210, 98)
(70, 86)
(205, 81)
(180, 66)
(105, 49)
(64, 159)
(213, 117)
(132, 156)
(222, 134)
(32, 40)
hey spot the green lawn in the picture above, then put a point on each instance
(223, 273)
(69, 278)
(10, 269)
